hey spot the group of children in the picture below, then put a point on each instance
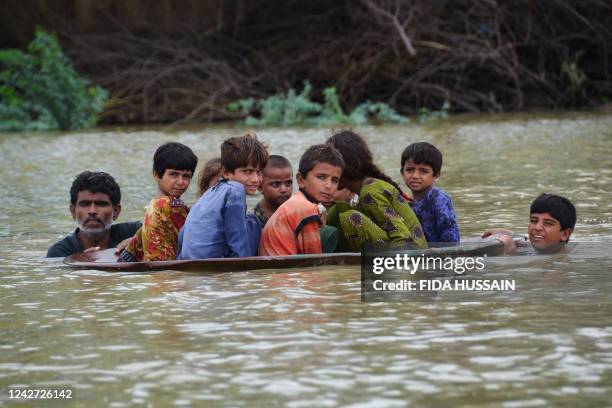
(344, 201)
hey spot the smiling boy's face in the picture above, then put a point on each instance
(250, 177)
(545, 231)
(321, 182)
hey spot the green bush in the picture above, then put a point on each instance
(40, 90)
(426, 115)
(295, 109)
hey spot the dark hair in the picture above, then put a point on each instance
(278, 162)
(357, 158)
(423, 153)
(321, 153)
(560, 208)
(211, 169)
(173, 155)
(96, 182)
(242, 151)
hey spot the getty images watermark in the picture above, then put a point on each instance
(441, 273)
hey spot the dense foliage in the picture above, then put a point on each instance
(299, 109)
(40, 90)
(176, 64)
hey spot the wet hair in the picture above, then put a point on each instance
(358, 161)
(321, 153)
(560, 208)
(173, 155)
(423, 153)
(243, 151)
(278, 162)
(211, 169)
(96, 182)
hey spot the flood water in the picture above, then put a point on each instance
(302, 338)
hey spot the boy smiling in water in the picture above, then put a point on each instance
(295, 227)
(551, 223)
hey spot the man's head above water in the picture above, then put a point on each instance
(95, 202)
(551, 221)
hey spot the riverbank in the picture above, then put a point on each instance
(162, 64)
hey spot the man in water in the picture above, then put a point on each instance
(95, 202)
(551, 222)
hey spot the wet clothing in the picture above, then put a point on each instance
(383, 214)
(216, 226)
(260, 214)
(293, 229)
(157, 239)
(256, 221)
(437, 216)
(71, 245)
(329, 239)
(254, 228)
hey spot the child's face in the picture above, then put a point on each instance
(250, 177)
(418, 177)
(277, 185)
(174, 182)
(545, 231)
(321, 182)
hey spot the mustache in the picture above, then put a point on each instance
(94, 229)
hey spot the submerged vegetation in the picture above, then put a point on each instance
(40, 90)
(426, 115)
(294, 108)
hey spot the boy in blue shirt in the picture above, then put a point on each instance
(216, 226)
(421, 166)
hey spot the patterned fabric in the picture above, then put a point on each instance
(157, 239)
(383, 214)
(216, 226)
(437, 216)
(292, 229)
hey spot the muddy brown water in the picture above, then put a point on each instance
(302, 337)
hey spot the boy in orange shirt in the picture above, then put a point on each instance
(295, 227)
